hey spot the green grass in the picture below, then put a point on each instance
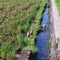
(15, 20)
(58, 5)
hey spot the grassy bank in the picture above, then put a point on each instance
(58, 5)
(17, 19)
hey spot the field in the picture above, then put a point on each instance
(19, 23)
(58, 5)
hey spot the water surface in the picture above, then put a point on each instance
(43, 39)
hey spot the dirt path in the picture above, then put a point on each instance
(56, 19)
(55, 29)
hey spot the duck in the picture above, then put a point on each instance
(43, 27)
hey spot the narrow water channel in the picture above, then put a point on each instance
(43, 38)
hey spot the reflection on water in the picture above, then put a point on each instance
(43, 39)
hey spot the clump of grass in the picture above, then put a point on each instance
(58, 5)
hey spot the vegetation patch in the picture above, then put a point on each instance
(19, 22)
(58, 5)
